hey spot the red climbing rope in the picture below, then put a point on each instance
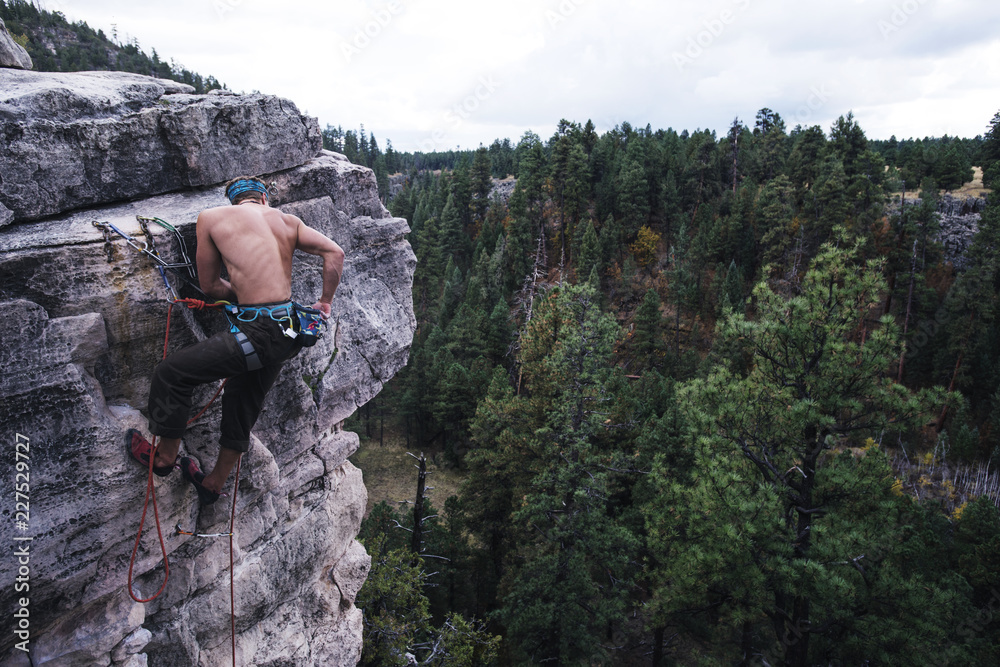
(196, 304)
(150, 492)
(232, 584)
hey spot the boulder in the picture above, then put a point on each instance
(73, 140)
(82, 323)
(12, 54)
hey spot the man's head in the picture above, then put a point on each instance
(246, 187)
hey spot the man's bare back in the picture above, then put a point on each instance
(255, 243)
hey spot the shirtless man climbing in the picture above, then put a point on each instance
(255, 243)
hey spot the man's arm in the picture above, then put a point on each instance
(209, 262)
(314, 243)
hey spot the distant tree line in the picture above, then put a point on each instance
(56, 45)
(947, 161)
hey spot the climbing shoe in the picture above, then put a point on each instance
(191, 473)
(140, 450)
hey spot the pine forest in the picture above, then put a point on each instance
(712, 400)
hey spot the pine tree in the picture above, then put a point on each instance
(482, 183)
(770, 145)
(732, 290)
(526, 201)
(848, 142)
(567, 581)
(454, 241)
(990, 154)
(776, 222)
(647, 339)
(633, 192)
(789, 518)
(954, 169)
(829, 206)
(589, 256)
(805, 162)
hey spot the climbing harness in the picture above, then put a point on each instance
(236, 313)
(297, 320)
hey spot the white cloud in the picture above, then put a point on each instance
(410, 68)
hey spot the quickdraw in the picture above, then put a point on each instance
(184, 270)
(181, 531)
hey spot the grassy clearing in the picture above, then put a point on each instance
(973, 188)
(390, 474)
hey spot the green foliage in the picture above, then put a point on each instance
(768, 525)
(397, 615)
(395, 610)
(556, 596)
(727, 491)
(77, 47)
(991, 154)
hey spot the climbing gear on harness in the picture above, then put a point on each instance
(141, 451)
(253, 360)
(279, 312)
(297, 320)
(310, 324)
(249, 314)
(189, 469)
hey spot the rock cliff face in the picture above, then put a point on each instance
(82, 321)
(12, 54)
(959, 223)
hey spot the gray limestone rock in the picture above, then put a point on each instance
(131, 645)
(958, 225)
(83, 139)
(82, 320)
(503, 188)
(12, 54)
(332, 175)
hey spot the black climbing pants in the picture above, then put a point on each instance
(220, 356)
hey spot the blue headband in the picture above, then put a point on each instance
(245, 185)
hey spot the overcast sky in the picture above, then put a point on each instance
(436, 74)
